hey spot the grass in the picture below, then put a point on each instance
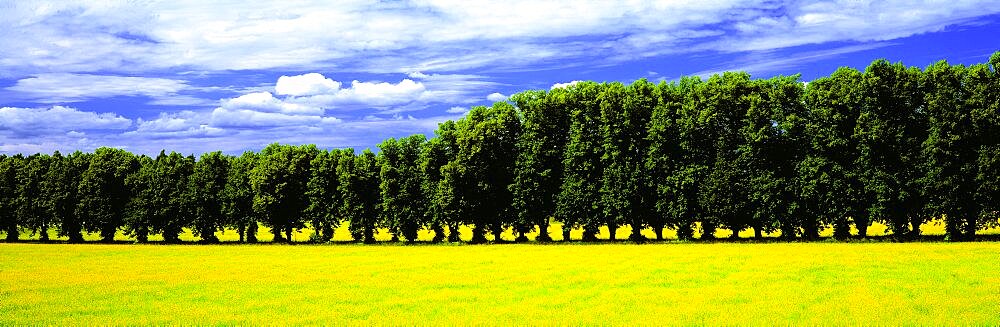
(563, 284)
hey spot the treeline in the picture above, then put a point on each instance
(892, 144)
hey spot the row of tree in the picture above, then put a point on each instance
(893, 144)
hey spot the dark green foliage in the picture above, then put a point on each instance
(60, 189)
(324, 195)
(279, 182)
(237, 197)
(31, 209)
(204, 193)
(359, 185)
(403, 203)
(437, 152)
(103, 194)
(9, 189)
(578, 203)
(539, 168)
(625, 191)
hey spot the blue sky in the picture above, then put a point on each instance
(198, 76)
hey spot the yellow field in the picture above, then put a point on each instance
(561, 284)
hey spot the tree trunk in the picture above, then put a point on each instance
(288, 234)
(685, 232)
(543, 232)
(735, 235)
(565, 233)
(241, 229)
(453, 234)
(915, 222)
(970, 228)
(142, 235)
(75, 236)
(708, 231)
(758, 233)
(108, 234)
(438, 233)
(277, 235)
(841, 229)
(12, 234)
(612, 230)
(44, 235)
(252, 233)
(369, 236)
(658, 230)
(496, 235)
(589, 234)
(636, 235)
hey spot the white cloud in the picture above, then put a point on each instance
(264, 101)
(432, 35)
(66, 87)
(496, 97)
(563, 85)
(457, 110)
(307, 84)
(57, 119)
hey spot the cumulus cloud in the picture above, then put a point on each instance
(307, 84)
(264, 101)
(457, 110)
(496, 97)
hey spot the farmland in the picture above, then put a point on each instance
(561, 284)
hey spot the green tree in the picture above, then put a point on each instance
(359, 185)
(669, 160)
(486, 141)
(403, 203)
(60, 187)
(539, 168)
(435, 155)
(950, 151)
(238, 197)
(578, 203)
(204, 193)
(33, 215)
(625, 115)
(103, 194)
(279, 183)
(889, 131)
(985, 102)
(831, 189)
(324, 195)
(9, 185)
(145, 198)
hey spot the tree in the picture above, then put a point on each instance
(403, 203)
(486, 141)
(578, 203)
(889, 131)
(625, 115)
(204, 192)
(324, 195)
(950, 151)
(238, 197)
(9, 185)
(831, 189)
(668, 159)
(279, 181)
(30, 199)
(144, 185)
(985, 103)
(435, 155)
(539, 168)
(359, 185)
(60, 186)
(103, 193)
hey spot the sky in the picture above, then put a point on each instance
(201, 76)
